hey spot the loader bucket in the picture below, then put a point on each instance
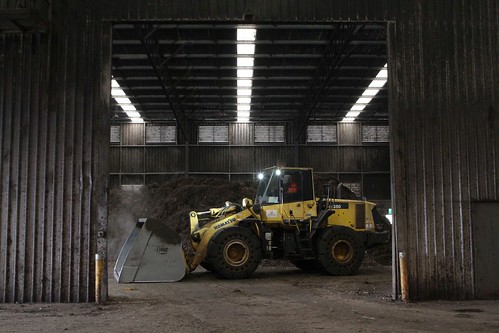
(152, 253)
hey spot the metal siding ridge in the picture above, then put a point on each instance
(6, 280)
(3, 170)
(41, 140)
(24, 142)
(68, 244)
(33, 93)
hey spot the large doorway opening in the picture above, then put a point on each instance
(225, 100)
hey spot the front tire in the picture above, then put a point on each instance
(340, 251)
(234, 253)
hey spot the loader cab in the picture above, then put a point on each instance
(286, 193)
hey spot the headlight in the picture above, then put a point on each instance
(247, 202)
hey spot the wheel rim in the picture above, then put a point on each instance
(236, 252)
(342, 251)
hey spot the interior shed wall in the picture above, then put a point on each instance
(136, 161)
(54, 140)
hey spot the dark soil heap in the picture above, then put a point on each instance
(170, 202)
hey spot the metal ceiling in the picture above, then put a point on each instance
(302, 72)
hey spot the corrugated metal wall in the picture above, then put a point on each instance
(53, 148)
(443, 95)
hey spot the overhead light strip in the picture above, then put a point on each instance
(124, 102)
(368, 94)
(245, 62)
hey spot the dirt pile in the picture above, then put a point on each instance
(169, 202)
(323, 183)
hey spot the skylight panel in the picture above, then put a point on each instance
(244, 73)
(368, 94)
(128, 107)
(245, 48)
(364, 100)
(245, 34)
(243, 114)
(243, 100)
(244, 83)
(377, 83)
(358, 107)
(352, 114)
(124, 102)
(243, 107)
(132, 114)
(117, 92)
(243, 92)
(245, 63)
(348, 119)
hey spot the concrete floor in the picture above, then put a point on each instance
(276, 299)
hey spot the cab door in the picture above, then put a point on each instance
(298, 195)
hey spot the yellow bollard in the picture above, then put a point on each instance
(99, 265)
(404, 279)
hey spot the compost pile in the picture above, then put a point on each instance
(169, 202)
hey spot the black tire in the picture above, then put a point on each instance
(307, 265)
(206, 265)
(339, 251)
(234, 253)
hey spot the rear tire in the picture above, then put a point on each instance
(234, 253)
(340, 251)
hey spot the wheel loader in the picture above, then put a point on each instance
(285, 221)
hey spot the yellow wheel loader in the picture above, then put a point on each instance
(286, 221)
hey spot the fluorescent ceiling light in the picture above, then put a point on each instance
(244, 83)
(363, 100)
(377, 83)
(243, 114)
(128, 107)
(243, 107)
(122, 100)
(352, 114)
(132, 114)
(245, 48)
(137, 120)
(243, 100)
(243, 92)
(370, 92)
(358, 107)
(382, 74)
(117, 92)
(245, 61)
(348, 119)
(245, 34)
(244, 73)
